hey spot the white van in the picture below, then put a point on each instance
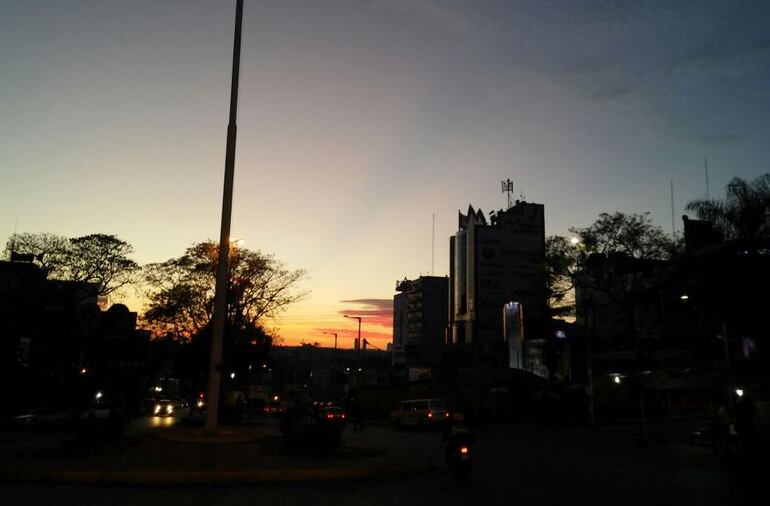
(420, 412)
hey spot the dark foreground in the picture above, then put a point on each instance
(513, 466)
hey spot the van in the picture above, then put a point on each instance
(420, 412)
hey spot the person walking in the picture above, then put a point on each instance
(722, 429)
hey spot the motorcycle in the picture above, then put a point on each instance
(460, 460)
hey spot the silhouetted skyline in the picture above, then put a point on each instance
(359, 120)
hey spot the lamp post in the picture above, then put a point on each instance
(589, 363)
(220, 295)
(358, 339)
(335, 338)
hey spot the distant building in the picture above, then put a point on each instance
(420, 320)
(493, 264)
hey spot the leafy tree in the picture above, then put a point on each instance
(560, 262)
(745, 211)
(621, 271)
(49, 251)
(632, 235)
(181, 290)
(100, 259)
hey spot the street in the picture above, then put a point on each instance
(530, 466)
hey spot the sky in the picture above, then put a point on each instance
(359, 121)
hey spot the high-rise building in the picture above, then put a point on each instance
(493, 264)
(420, 319)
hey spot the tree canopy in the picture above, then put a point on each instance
(181, 290)
(743, 214)
(616, 264)
(50, 251)
(633, 235)
(100, 259)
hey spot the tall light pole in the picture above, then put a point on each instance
(335, 338)
(220, 295)
(358, 339)
(589, 363)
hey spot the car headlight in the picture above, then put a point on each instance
(157, 409)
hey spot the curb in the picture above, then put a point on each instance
(200, 477)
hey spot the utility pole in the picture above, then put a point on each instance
(358, 339)
(433, 244)
(335, 338)
(706, 167)
(673, 227)
(727, 348)
(507, 187)
(220, 295)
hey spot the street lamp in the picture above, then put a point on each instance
(220, 294)
(589, 363)
(335, 338)
(358, 339)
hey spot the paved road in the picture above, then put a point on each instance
(523, 466)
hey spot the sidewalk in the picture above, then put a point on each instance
(183, 456)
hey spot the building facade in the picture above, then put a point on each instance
(420, 320)
(493, 264)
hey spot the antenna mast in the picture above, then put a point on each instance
(673, 229)
(433, 244)
(706, 166)
(507, 187)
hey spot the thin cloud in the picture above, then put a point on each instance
(381, 303)
(372, 311)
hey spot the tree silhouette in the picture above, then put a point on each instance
(101, 260)
(49, 251)
(743, 214)
(621, 271)
(181, 290)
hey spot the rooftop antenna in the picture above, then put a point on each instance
(706, 166)
(13, 238)
(433, 244)
(673, 229)
(507, 187)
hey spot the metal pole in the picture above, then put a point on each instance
(591, 416)
(220, 296)
(727, 349)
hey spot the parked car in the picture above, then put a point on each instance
(420, 412)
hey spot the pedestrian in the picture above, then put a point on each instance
(722, 429)
(745, 424)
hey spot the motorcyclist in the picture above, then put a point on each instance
(456, 435)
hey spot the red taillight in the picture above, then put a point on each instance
(329, 416)
(430, 414)
(464, 450)
(446, 415)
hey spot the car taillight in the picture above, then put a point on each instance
(430, 414)
(329, 416)
(446, 415)
(464, 450)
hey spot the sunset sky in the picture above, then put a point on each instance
(360, 119)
